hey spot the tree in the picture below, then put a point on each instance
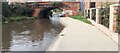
(22, 10)
(6, 11)
(18, 9)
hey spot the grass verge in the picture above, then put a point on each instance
(81, 18)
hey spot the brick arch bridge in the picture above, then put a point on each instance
(72, 6)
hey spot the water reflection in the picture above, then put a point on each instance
(30, 35)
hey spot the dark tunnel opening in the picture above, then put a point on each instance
(45, 13)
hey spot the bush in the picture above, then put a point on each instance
(28, 12)
(22, 10)
(94, 14)
(17, 11)
(118, 20)
(6, 11)
(104, 16)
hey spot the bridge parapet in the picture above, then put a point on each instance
(72, 7)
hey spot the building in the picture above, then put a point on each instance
(97, 3)
(103, 15)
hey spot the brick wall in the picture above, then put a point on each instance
(36, 12)
(74, 6)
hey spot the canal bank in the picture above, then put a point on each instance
(79, 36)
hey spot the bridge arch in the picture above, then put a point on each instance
(46, 12)
(69, 8)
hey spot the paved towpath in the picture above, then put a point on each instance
(79, 36)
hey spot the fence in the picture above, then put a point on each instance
(106, 18)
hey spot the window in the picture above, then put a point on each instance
(92, 4)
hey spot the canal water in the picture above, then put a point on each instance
(30, 35)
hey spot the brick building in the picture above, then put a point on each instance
(97, 3)
(74, 6)
(103, 15)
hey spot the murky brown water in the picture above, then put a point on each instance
(30, 35)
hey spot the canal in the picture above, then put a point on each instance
(30, 35)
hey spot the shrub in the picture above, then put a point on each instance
(118, 20)
(28, 12)
(94, 14)
(17, 11)
(104, 16)
(6, 11)
(22, 10)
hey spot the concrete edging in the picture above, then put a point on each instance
(58, 39)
